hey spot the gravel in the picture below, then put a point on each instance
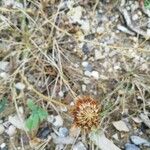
(63, 132)
(3, 65)
(11, 131)
(129, 146)
(58, 121)
(79, 146)
(44, 133)
(95, 75)
(20, 86)
(85, 48)
(139, 141)
(2, 129)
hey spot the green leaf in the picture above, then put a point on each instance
(147, 4)
(33, 121)
(42, 114)
(38, 114)
(31, 105)
(3, 103)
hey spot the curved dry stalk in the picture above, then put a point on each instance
(38, 93)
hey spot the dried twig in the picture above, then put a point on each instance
(130, 25)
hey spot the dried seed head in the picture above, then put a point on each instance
(86, 113)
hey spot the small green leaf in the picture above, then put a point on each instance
(147, 4)
(42, 114)
(31, 105)
(32, 122)
(3, 103)
(38, 114)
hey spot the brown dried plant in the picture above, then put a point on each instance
(86, 113)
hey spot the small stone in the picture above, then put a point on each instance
(4, 75)
(59, 147)
(61, 93)
(90, 36)
(145, 119)
(85, 48)
(3, 65)
(139, 141)
(85, 63)
(103, 77)
(129, 146)
(62, 140)
(128, 8)
(63, 132)
(98, 55)
(135, 6)
(17, 122)
(120, 126)
(50, 118)
(135, 17)
(83, 87)
(58, 121)
(11, 131)
(20, 86)
(44, 133)
(85, 26)
(136, 119)
(112, 53)
(63, 109)
(3, 146)
(117, 67)
(95, 75)
(87, 73)
(2, 129)
(88, 68)
(148, 32)
(124, 29)
(100, 30)
(115, 136)
(79, 146)
(86, 80)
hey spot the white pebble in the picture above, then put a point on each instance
(95, 75)
(103, 77)
(85, 63)
(87, 73)
(124, 29)
(83, 87)
(98, 55)
(58, 121)
(112, 53)
(135, 17)
(63, 109)
(148, 32)
(3, 65)
(19, 86)
(2, 129)
(50, 118)
(86, 80)
(85, 26)
(116, 67)
(4, 75)
(61, 94)
(79, 146)
(100, 30)
(11, 131)
(3, 145)
(17, 122)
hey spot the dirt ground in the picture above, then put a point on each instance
(53, 51)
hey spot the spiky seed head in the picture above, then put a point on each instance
(86, 113)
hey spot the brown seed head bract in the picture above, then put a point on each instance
(86, 113)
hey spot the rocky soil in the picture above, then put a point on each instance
(52, 51)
